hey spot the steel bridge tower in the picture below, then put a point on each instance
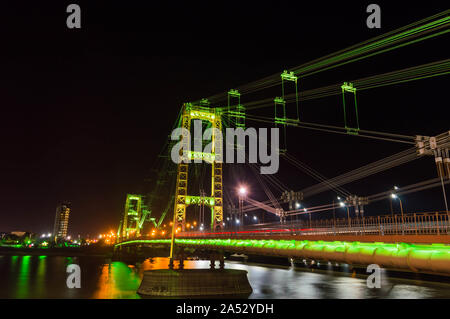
(182, 199)
(129, 226)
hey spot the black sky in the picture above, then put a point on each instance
(85, 112)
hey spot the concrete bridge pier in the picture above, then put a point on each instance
(215, 256)
(196, 282)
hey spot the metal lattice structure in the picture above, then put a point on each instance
(131, 217)
(238, 112)
(348, 87)
(234, 115)
(182, 199)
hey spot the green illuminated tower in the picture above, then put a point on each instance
(348, 87)
(132, 216)
(239, 110)
(182, 199)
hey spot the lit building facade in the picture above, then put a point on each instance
(61, 221)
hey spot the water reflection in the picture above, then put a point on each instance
(117, 280)
(45, 277)
(22, 287)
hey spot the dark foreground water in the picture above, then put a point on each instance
(45, 277)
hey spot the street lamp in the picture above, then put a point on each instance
(306, 210)
(342, 204)
(242, 191)
(395, 196)
(390, 202)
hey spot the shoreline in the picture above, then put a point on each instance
(64, 252)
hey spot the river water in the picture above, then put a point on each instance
(45, 277)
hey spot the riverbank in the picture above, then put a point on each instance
(64, 252)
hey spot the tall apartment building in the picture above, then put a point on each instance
(61, 220)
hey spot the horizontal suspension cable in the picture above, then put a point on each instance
(302, 166)
(341, 130)
(424, 71)
(364, 171)
(415, 32)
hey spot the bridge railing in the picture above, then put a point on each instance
(437, 223)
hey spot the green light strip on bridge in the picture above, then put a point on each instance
(388, 249)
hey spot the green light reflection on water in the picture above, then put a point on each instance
(117, 280)
(40, 277)
(23, 277)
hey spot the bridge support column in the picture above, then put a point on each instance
(181, 257)
(182, 199)
(181, 266)
(212, 264)
(222, 262)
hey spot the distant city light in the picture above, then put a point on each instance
(255, 218)
(242, 190)
(394, 195)
(237, 221)
(395, 187)
(297, 205)
(342, 204)
(304, 209)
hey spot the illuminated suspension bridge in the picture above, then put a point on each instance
(414, 241)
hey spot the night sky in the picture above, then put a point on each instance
(85, 112)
